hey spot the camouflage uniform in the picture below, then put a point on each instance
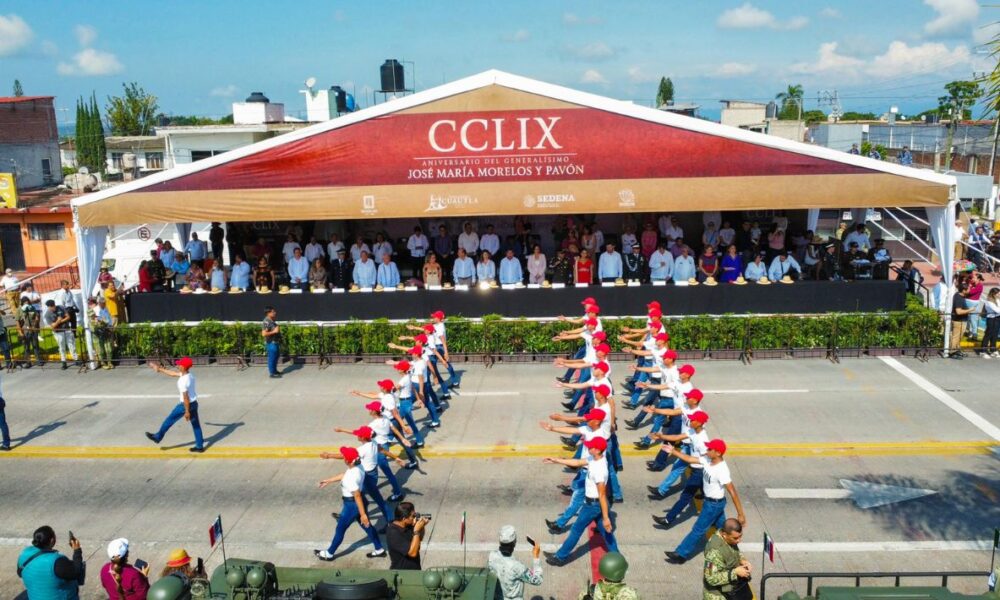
(610, 590)
(720, 560)
(512, 574)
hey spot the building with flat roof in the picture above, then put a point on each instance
(29, 141)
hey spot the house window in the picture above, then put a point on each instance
(116, 160)
(154, 160)
(46, 232)
(197, 155)
(46, 168)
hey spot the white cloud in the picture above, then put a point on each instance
(15, 34)
(224, 91)
(749, 16)
(590, 52)
(573, 19)
(636, 75)
(902, 59)
(829, 61)
(86, 35)
(830, 13)
(593, 76)
(734, 69)
(521, 35)
(984, 34)
(953, 17)
(91, 62)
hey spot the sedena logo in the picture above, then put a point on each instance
(368, 205)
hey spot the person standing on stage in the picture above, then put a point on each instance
(355, 509)
(187, 405)
(271, 333)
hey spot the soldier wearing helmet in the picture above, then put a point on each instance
(612, 568)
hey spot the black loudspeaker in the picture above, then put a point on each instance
(392, 76)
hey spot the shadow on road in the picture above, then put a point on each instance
(46, 428)
(215, 438)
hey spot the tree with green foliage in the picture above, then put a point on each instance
(859, 116)
(133, 113)
(791, 103)
(18, 90)
(962, 96)
(665, 93)
(182, 120)
(97, 125)
(91, 151)
(814, 116)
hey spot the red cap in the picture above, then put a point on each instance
(437, 315)
(420, 339)
(654, 304)
(591, 322)
(349, 454)
(600, 335)
(402, 365)
(386, 384)
(594, 414)
(686, 369)
(700, 416)
(429, 328)
(601, 390)
(695, 394)
(588, 300)
(606, 349)
(655, 325)
(185, 362)
(364, 432)
(374, 406)
(415, 351)
(593, 308)
(603, 366)
(717, 445)
(670, 355)
(597, 442)
(655, 313)
(662, 337)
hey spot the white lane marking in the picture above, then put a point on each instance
(807, 493)
(461, 393)
(944, 398)
(125, 396)
(781, 391)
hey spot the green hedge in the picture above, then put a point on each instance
(917, 327)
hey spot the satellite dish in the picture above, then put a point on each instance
(310, 82)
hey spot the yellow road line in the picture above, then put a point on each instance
(792, 449)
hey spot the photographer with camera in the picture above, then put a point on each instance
(404, 536)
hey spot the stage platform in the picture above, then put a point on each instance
(808, 297)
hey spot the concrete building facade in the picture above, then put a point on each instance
(29, 141)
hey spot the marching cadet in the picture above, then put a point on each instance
(690, 406)
(651, 373)
(351, 483)
(645, 348)
(511, 573)
(383, 430)
(368, 450)
(390, 410)
(441, 341)
(675, 384)
(596, 508)
(590, 429)
(590, 311)
(726, 569)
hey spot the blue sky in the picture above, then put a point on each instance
(198, 57)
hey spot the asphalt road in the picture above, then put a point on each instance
(81, 462)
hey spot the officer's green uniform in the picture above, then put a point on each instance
(720, 560)
(612, 568)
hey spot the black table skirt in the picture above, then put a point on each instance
(803, 297)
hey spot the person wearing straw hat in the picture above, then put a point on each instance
(354, 510)
(119, 578)
(179, 564)
(187, 405)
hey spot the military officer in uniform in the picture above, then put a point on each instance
(635, 265)
(611, 586)
(726, 569)
(510, 572)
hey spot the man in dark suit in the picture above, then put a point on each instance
(340, 270)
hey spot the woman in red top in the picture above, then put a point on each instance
(583, 268)
(145, 279)
(648, 240)
(708, 263)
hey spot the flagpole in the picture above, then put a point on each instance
(465, 545)
(763, 555)
(222, 540)
(996, 542)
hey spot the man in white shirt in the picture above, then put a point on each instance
(859, 236)
(359, 247)
(598, 236)
(388, 273)
(716, 481)
(380, 248)
(783, 265)
(334, 246)
(663, 224)
(364, 271)
(661, 263)
(417, 245)
(490, 241)
(510, 269)
(298, 270)
(609, 267)
(468, 240)
(197, 250)
(464, 270)
(675, 230)
(684, 266)
(354, 510)
(187, 405)
(314, 250)
(288, 250)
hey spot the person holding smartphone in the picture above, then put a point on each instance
(45, 572)
(510, 572)
(404, 536)
(121, 580)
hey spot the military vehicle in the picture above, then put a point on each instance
(896, 591)
(240, 579)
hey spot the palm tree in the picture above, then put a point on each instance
(791, 100)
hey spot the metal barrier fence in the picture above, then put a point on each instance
(857, 577)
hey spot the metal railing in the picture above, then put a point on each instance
(897, 578)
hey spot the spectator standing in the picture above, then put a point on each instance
(29, 323)
(661, 263)
(609, 267)
(196, 250)
(359, 247)
(775, 241)
(380, 248)
(217, 277)
(991, 308)
(288, 250)
(463, 272)
(910, 275)
(583, 268)
(536, 262)
(727, 235)
(562, 266)
(314, 250)
(486, 271)
(121, 580)
(180, 267)
(334, 246)
(663, 224)
(510, 269)
(5, 342)
(628, 238)
(726, 568)
(854, 150)
(674, 230)
(403, 537)
(959, 317)
(417, 245)
(103, 332)
(167, 254)
(187, 404)
(511, 573)
(433, 273)
(684, 267)
(708, 263)
(240, 274)
(364, 271)
(732, 265)
(48, 574)
(217, 237)
(388, 273)
(317, 275)
(588, 242)
(831, 267)
(145, 279)
(468, 240)
(710, 237)
(10, 284)
(4, 431)
(972, 295)
(271, 333)
(67, 301)
(157, 272)
(298, 270)
(340, 270)
(635, 264)
(490, 241)
(58, 321)
(676, 247)
(649, 240)
(443, 248)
